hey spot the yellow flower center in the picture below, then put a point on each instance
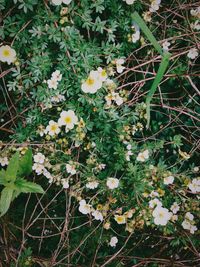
(161, 215)
(103, 73)
(54, 128)
(68, 120)
(90, 81)
(6, 53)
(120, 219)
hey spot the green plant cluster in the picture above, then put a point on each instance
(106, 184)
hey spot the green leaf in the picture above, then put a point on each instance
(13, 166)
(2, 176)
(136, 17)
(28, 187)
(161, 71)
(5, 200)
(16, 193)
(25, 164)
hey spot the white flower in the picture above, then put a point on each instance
(120, 219)
(186, 225)
(68, 119)
(113, 241)
(119, 100)
(65, 183)
(166, 45)
(97, 215)
(196, 25)
(47, 174)
(154, 5)
(57, 2)
(4, 161)
(194, 186)
(195, 12)
(93, 83)
(161, 216)
(119, 66)
(38, 168)
(175, 208)
(142, 156)
(56, 75)
(169, 180)
(136, 34)
(53, 128)
(129, 146)
(189, 216)
(7, 54)
(57, 98)
(52, 83)
(102, 74)
(84, 208)
(196, 169)
(193, 228)
(155, 202)
(70, 169)
(66, 2)
(39, 158)
(193, 53)
(92, 185)
(129, 152)
(129, 2)
(112, 183)
(154, 194)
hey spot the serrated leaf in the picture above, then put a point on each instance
(28, 187)
(25, 164)
(5, 200)
(13, 166)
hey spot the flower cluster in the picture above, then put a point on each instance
(129, 150)
(94, 81)
(56, 77)
(39, 166)
(67, 119)
(188, 223)
(85, 208)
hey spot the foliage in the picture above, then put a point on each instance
(12, 179)
(76, 91)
